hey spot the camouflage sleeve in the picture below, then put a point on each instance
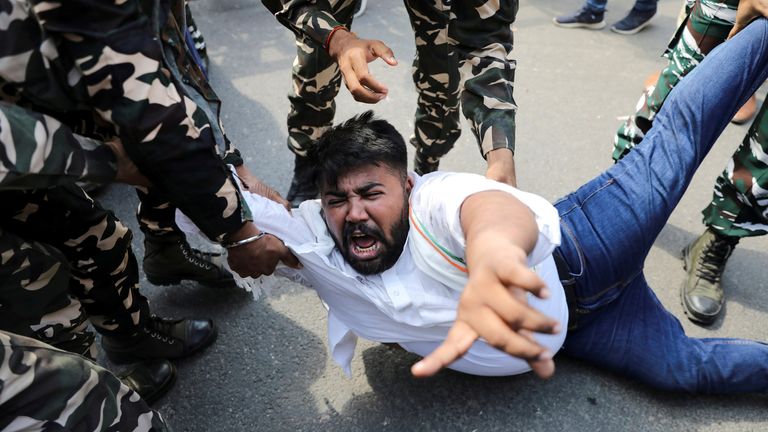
(482, 35)
(44, 389)
(167, 134)
(308, 19)
(36, 151)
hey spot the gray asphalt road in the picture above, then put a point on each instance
(270, 369)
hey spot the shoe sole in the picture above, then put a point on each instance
(691, 314)
(595, 26)
(166, 281)
(630, 32)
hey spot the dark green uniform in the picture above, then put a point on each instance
(739, 206)
(463, 54)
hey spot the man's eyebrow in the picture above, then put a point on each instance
(359, 191)
(365, 188)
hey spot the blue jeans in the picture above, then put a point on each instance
(610, 224)
(642, 5)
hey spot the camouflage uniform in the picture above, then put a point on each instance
(43, 388)
(97, 66)
(463, 53)
(739, 207)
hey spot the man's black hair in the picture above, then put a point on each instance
(358, 141)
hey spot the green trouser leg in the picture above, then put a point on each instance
(739, 206)
(436, 77)
(97, 246)
(42, 388)
(707, 26)
(316, 82)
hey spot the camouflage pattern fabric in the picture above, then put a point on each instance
(34, 296)
(156, 214)
(739, 207)
(37, 151)
(44, 389)
(463, 55)
(97, 246)
(127, 68)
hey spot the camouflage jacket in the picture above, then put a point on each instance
(121, 68)
(306, 18)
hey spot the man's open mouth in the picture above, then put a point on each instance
(364, 246)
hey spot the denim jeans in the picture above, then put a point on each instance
(610, 224)
(642, 5)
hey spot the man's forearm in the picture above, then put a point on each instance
(498, 215)
(39, 152)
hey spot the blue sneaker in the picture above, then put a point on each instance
(634, 22)
(584, 18)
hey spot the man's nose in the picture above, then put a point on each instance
(357, 212)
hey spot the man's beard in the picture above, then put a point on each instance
(390, 250)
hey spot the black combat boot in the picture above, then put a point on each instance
(169, 259)
(161, 338)
(151, 379)
(302, 186)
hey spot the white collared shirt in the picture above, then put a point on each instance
(414, 302)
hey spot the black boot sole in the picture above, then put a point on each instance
(175, 280)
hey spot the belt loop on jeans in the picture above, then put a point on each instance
(569, 283)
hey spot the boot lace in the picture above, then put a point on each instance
(194, 256)
(161, 329)
(712, 260)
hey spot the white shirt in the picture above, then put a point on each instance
(414, 302)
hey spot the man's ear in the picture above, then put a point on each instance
(408, 184)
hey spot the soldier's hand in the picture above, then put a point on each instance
(254, 185)
(353, 55)
(127, 171)
(746, 12)
(259, 257)
(494, 306)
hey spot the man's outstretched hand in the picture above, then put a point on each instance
(353, 55)
(493, 305)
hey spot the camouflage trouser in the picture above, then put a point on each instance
(156, 214)
(739, 205)
(96, 249)
(42, 388)
(463, 53)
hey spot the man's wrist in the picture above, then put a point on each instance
(247, 230)
(337, 39)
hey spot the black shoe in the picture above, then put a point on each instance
(635, 21)
(162, 338)
(302, 186)
(169, 259)
(150, 379)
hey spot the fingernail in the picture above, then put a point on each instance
(544, 293)
(556, 328)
